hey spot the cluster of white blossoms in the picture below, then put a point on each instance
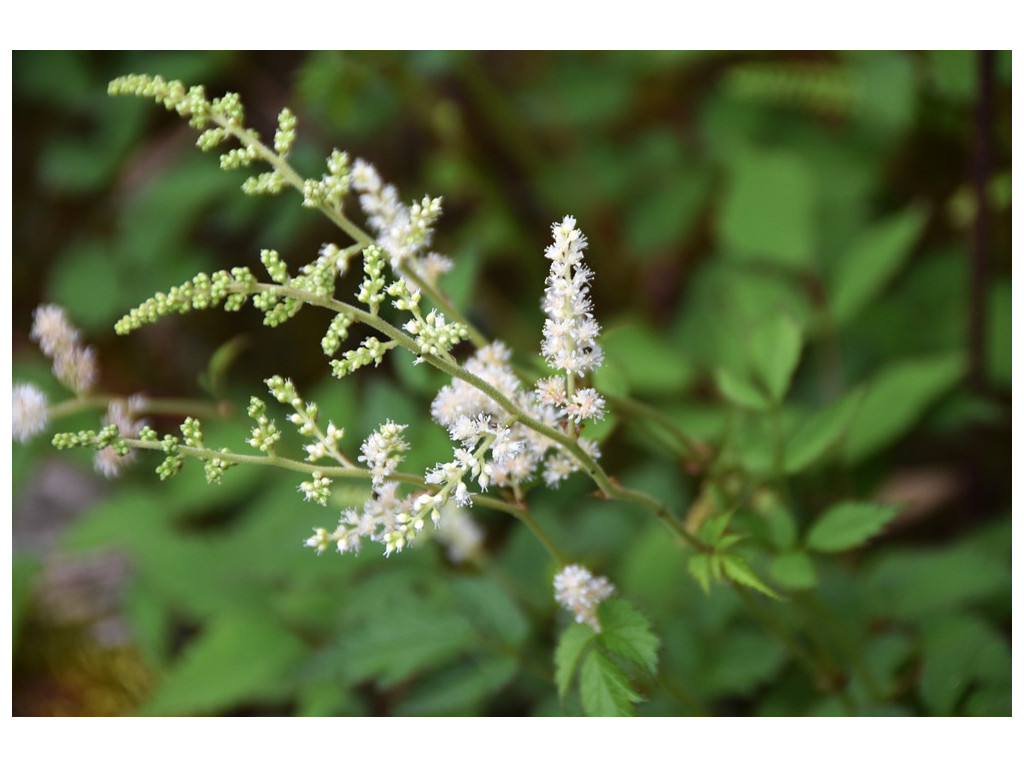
(30, 413)
(74, 365)
(383, 519)
(579, 591)
(403, 231)
(122, 414)
(570, 330)
(382, 451)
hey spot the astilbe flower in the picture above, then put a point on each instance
(73, 365)
(570, 330)
(579, 591)
(30, 415)
(108, 462)
(403, 231)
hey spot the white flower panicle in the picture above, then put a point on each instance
(382, 451)
(74, 365)
(570, 331)
(121, 413)
(384, 520)
(516, 451)
(30, 415)
(404, 232)
(579, 591)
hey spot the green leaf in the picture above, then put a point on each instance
(848, 524)
(605, 689)
(737, 569)
(575, 641)
(238, 659)
(776, 349)
(626, 633)
(459, 690)
(815, 436)
(491, 611)
(958, 652)
(871, 262)
(699, 566)
(650, 364)
(793, 570)
(897, 398)
(737, 389)
(769, 208)
(398, 643)
(916, 584)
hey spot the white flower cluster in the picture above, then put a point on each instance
(385, 519)
(403, 231)
(382, 451)
(570, 331)
(73, 365)
(579, 591)
(30, 414)
(461, 408)
(121, 413)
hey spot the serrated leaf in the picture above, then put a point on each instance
(848, 524)
(575, 641)
(238, 659)
(714, 527)
(740, 391)
(737, 569)
(699, 566)
(626, 633)
(872, 261)
(793, 570)
(396, 644)
(896, 399)
(490, 609)
(776, 349)
(815, 436)
(605, 689)
(459, 690)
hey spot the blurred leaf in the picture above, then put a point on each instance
(699, 566)
(665, 212)
(896, 398)
(915, 584)
(848, 524)
(457, 691)
(238, 659)
(769, 208)
(605, 689)
(740, 572)
(395, 644)
(650, 364)
(652, 560)
(89, 284)
(872, 260)
(775, 348)
(626, 633)
(739, 390)
(954, 73)
(575, 641)
(793, 570)
(958, 652)
(741, 660)
(815, 435)
(215, 378)
(994, 700)
(490, 609)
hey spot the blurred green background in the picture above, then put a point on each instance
(716, 189)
